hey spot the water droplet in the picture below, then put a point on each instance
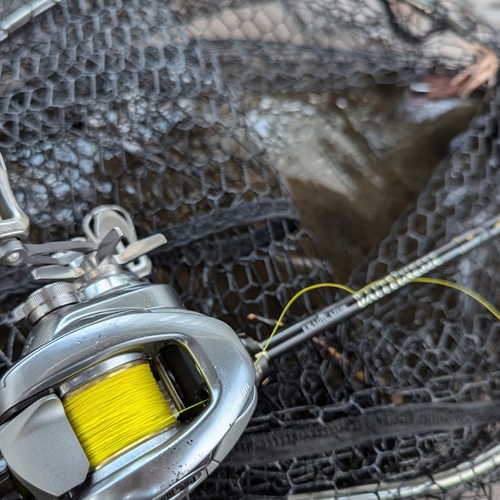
(341, 103)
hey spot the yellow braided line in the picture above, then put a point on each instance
(471, 293)
(434, 281)
(292, 300)
(118, 411)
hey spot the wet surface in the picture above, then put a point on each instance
(354, 160)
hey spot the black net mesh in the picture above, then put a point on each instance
(141, 104)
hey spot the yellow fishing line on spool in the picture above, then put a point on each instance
(117, 411)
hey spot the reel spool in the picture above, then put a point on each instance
(116, 410)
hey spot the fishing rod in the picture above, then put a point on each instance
(340, 311)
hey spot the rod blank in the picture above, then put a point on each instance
(349, 306)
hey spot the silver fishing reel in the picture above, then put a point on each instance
(93, 326)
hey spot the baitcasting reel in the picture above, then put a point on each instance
(120, 391)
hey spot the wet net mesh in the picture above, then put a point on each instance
(141, 103)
